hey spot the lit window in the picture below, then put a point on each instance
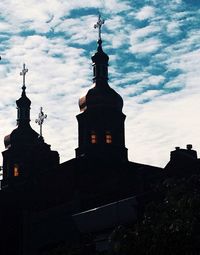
(93, 138)
(108, 137)
(16, 170)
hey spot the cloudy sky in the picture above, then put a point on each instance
(154, 50)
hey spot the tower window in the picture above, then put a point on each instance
(108, 137)
(16, 170)
(93, 138)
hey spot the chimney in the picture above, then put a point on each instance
(189, 147)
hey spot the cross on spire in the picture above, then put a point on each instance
(40, 120)
(23, 73)
(99, 24)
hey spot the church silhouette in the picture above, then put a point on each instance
(44, 203)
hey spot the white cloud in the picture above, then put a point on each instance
(152, 80)
(80, 30)
(5, 27)
(137, 88)
(176, 83)
(147, 46)
(178, 1)
(116, 23)
(35, 14)
(142, 40)
(145, 13)
(145, 31)
(148, 95)
(114, 6)
(155, 128)
(173, 28)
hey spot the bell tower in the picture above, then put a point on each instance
(26, 154)
(101, 121)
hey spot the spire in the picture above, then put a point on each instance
(23, 104)
(100, 58)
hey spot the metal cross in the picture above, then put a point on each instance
(40, 120)
(99, 24)
(23, 73)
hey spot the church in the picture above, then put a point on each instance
(45, 202)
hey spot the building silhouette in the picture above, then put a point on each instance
(44, 203)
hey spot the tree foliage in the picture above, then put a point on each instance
(170, 225)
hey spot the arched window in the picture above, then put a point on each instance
(16, 170)
(93, 137)
(108, 137)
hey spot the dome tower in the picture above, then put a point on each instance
(101, 121)
(26, 153)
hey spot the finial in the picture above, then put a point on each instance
(98, 25)
(23, 73)
(40, 120)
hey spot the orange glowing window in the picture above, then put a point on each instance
(108, 137)
(93, 138)
(16, 170)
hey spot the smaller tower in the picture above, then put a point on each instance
(101, 121)
(26, 154)
(182, 162)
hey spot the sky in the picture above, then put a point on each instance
(154, 51)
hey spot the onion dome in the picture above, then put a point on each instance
(23, 101)
(23, 108)
(101, 95)
(23, 134)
